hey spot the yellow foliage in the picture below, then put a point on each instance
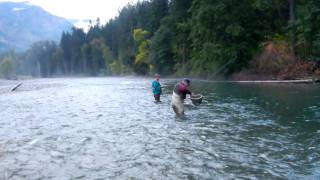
(140, 35)
(143, 52)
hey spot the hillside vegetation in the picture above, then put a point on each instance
(202, 38)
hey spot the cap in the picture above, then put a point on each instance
(187, 80)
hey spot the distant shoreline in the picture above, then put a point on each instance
(307, 80)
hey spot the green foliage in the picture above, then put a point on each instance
(308, 28)
(142, 57)
(108, 60)
(57, 66)
(161, 54)
(315, 51)
(97, 62)
(227, 34)
(115, 67)
(42, 56)
(141, 68)
(7, 68)
(182, 37)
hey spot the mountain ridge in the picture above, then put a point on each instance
(22, 23)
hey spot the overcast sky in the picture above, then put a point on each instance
(81, 9)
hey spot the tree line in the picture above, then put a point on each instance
(177, 37)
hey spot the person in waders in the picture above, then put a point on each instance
(180, 92)
(156, 88)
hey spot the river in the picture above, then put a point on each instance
(110, 128)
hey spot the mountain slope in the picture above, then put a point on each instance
(21, 24)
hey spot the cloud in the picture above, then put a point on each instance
(84, 9)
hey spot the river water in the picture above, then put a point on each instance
(110, 128)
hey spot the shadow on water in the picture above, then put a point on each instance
(287, 102)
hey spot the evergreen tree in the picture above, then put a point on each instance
(197, 37)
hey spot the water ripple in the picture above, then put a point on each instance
(110, 128)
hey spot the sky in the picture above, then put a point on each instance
(81, 9)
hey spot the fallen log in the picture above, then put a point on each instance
(300, 81)
(16, 87)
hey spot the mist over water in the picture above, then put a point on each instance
(110, 128)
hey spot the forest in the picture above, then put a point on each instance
(198, 38)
